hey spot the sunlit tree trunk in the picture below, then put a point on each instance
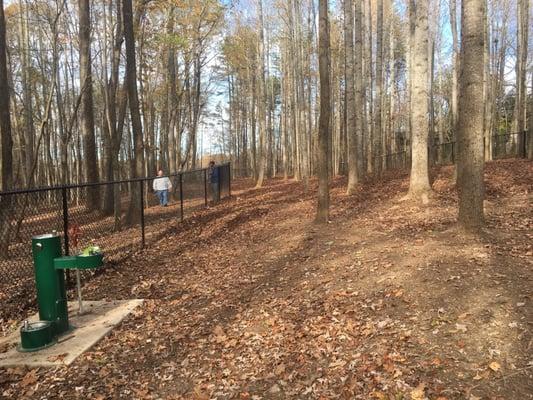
(134, 211)
(351, 129)
(262, 103)
(25, 73)
(359, 89)
(521, 65)
(369, 137)
(87, 113)
(378, 100)
(487, 83)
(419, 187)
(168, 113)
(253, 124)
(455, 62)
(324, 120)
(470, 121)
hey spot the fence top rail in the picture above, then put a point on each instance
(95, 184)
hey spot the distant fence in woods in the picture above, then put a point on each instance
(65, 209)
(445, 153)
(494, 147)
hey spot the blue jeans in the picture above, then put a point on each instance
(162, 195)
(214, 192)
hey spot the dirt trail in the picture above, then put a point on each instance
(251, 300)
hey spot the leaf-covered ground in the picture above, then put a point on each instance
(251, 300)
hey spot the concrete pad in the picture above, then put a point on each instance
(100, 318)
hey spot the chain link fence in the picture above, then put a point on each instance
(127, 218)
(495, 147)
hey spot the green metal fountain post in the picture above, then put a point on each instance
(50, 282)
(49, 268)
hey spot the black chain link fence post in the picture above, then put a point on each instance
(65, 220)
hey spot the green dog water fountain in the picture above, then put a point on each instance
(49, 266)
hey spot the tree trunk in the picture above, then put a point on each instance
(196, 109)
(431, 95)
(114, 123)
(87, 113)
(25, 73)
(521, 65)
(351, 112)
(419, 187)
(487, 82)
(378, 100)
(322, 214)
(455, 62)
(255, 172)
(262, 103)
(170, 100)
(369, 137)
(134, 211)
(470, 121)
(6, 142)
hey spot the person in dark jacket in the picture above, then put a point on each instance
(214, 180)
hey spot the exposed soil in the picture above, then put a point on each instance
(251, 300)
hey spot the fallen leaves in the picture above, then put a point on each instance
(419, 393)
(58, 357)
(495, 366)
(220, 336)
(29, 379)
(251, 301)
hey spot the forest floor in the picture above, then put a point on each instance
(251, 300)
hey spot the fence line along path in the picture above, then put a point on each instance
(65, 209)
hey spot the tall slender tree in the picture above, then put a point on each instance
(358, 100)
(378, 100)
(470, 119)
(90, 163)
(262, 104)
(455, 61)
(350, 95)
(25, 78)
(521, 65)
(324, 130)
(134, 211)
(6, 141)
(419, 186)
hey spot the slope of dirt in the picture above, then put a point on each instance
(251, 300)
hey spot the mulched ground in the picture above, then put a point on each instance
(251, 300)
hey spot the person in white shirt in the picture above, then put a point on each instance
(162, 186)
